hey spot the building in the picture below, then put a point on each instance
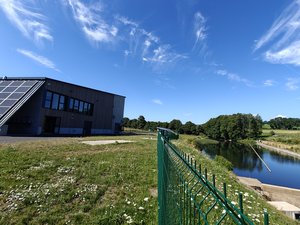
(44, 106)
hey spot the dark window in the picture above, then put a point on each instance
(48, 99)
(85, 108)
(81, 106)
(55, 99)
(61, 103)
(71, 104)
(91, 109)
(76, 105)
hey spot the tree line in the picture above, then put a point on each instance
(234, 127)
(285, 123)
(175, 125)
(224, 127)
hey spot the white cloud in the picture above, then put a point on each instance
(199, 27)
(163, 54)
(269, 83)
(283, 37)
(280, 116)
(288, 55)
(292, 84)
(92, 25)
(147, 46)
(29, 22)
(38, 58)
(157, 101)
(233, 77)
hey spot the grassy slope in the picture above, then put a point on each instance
(66, 182)
(286, 139)
(254, 204)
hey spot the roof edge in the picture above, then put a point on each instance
(47, 78)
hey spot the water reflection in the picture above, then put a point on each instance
(246, 163)
(241, 156)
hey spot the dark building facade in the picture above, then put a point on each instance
(44, 106)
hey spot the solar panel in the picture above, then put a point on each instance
(12, 91)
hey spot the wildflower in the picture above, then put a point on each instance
(141, 208)
(146, 199)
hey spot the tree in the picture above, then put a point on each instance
(141, 122)
(176, 125)
(125, 122)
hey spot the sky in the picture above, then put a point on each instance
(190, 60)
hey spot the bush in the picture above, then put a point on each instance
(224, 162)
(272, 133)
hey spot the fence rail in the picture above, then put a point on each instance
(186, 196)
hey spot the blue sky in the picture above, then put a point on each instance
(190, 60)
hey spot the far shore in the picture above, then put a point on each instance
(279, 150)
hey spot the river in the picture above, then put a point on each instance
(285, 170)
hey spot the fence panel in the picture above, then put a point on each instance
(186, 196)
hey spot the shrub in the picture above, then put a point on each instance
(224, 162)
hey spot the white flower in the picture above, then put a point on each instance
(146, 199)
(141, 208)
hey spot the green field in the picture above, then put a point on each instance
(286, 139)
(67, 182)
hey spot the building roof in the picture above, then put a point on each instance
(47, 78)
(14, 93)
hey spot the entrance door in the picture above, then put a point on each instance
(87, 128)
(51, 124)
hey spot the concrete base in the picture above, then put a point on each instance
(283, 198)
(289, 209)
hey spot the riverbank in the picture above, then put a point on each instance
(279, 150)
(283, 198)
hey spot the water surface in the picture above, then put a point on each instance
(285, 170)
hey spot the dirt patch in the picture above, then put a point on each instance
(106, 142)
(153, 192)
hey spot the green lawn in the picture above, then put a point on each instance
(67, 182)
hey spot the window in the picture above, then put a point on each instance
(85, 108)
(90, 109)
(48, 99)
(61, 103)
(71, 104)
(55, 99)
(76, 105)
(81, 106)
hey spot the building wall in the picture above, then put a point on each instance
(27, 119)
(108, 110)
(118, 112)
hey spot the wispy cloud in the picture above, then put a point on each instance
(234, 77)
(163, 54)
(269, 83)
(26, 18)
(39, 59)
(199, 28)
(93, 26)
(157, 101)
(292, 84)
(283, 37)
(146, 45)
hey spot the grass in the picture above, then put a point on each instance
(286, 139)
(66, 182)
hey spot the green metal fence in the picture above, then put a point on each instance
(186, 196)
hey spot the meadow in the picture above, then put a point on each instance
(286, 139)
(64, 181)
